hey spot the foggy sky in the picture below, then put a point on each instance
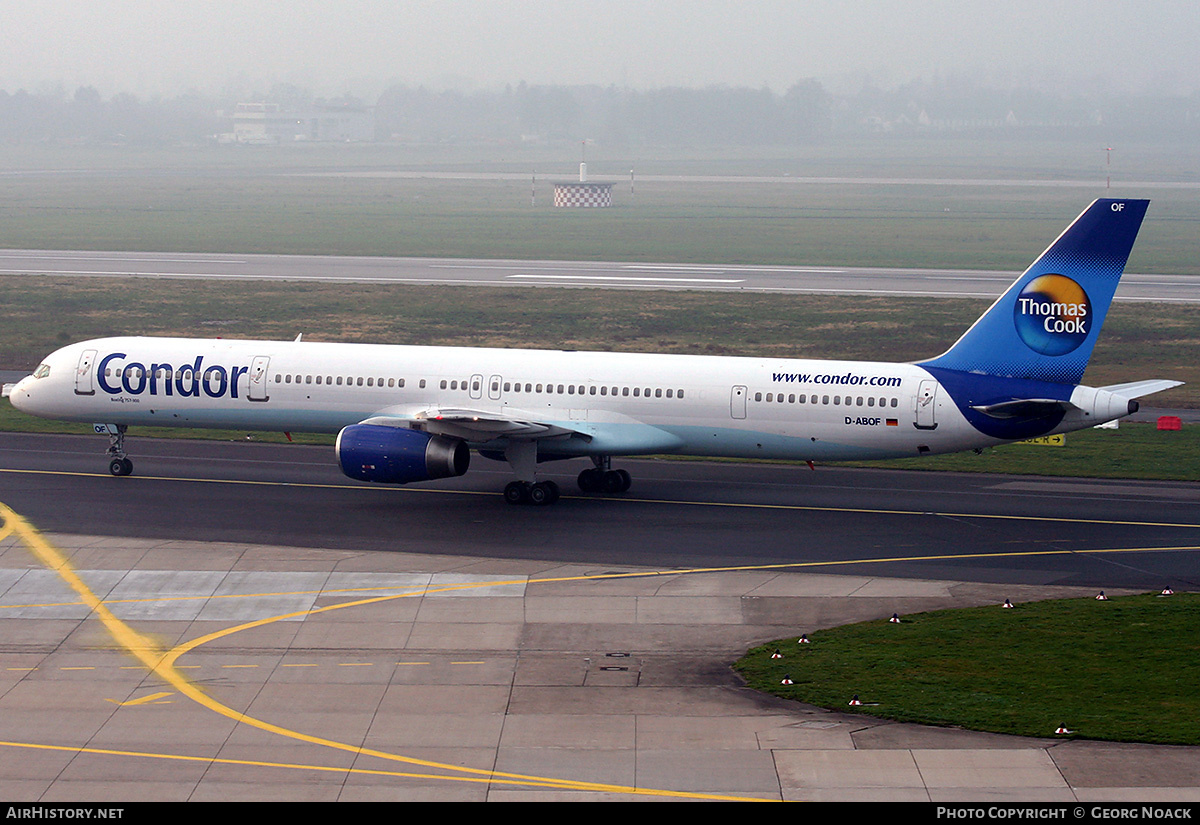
(150, 47)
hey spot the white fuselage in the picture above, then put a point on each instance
(609, 403)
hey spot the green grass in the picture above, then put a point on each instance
(1123, 670)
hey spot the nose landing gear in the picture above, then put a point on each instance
(119, 464)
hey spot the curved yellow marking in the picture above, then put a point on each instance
(163, 665)
(173, 655)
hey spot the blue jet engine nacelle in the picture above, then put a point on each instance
(397, 455)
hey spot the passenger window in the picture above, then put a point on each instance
(681, 393)
(443, 384)
(422, 384)
(758, 396)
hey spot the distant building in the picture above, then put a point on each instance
(270, 123)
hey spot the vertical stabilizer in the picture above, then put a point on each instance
(1045, 326)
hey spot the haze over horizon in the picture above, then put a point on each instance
(363, 46)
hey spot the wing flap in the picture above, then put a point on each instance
(470, 425)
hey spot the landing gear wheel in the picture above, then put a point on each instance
(590, 480)
(120, 466)
(522, 492)
(544, 492)
(612, 482)
(595, 480)
(516, 492)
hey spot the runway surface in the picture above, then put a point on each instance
(602, 275)
(678, 514)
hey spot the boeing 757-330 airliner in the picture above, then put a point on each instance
(406, 414)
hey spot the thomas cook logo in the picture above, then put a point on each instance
(1052, 314)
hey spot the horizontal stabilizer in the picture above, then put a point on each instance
(1137, 389)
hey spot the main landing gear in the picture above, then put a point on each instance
(522, 457)
(603, 478)
(525, 492)
(119, 464)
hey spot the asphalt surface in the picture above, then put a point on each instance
(1025, 530)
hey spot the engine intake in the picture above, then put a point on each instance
(397, 455)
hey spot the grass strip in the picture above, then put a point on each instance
(1121, 670)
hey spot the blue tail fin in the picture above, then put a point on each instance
(1045, 326)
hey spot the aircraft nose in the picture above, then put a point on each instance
(18, 394)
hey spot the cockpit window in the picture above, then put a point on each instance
(42, 371)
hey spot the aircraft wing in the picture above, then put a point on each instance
(470, 425)
(603, 433)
